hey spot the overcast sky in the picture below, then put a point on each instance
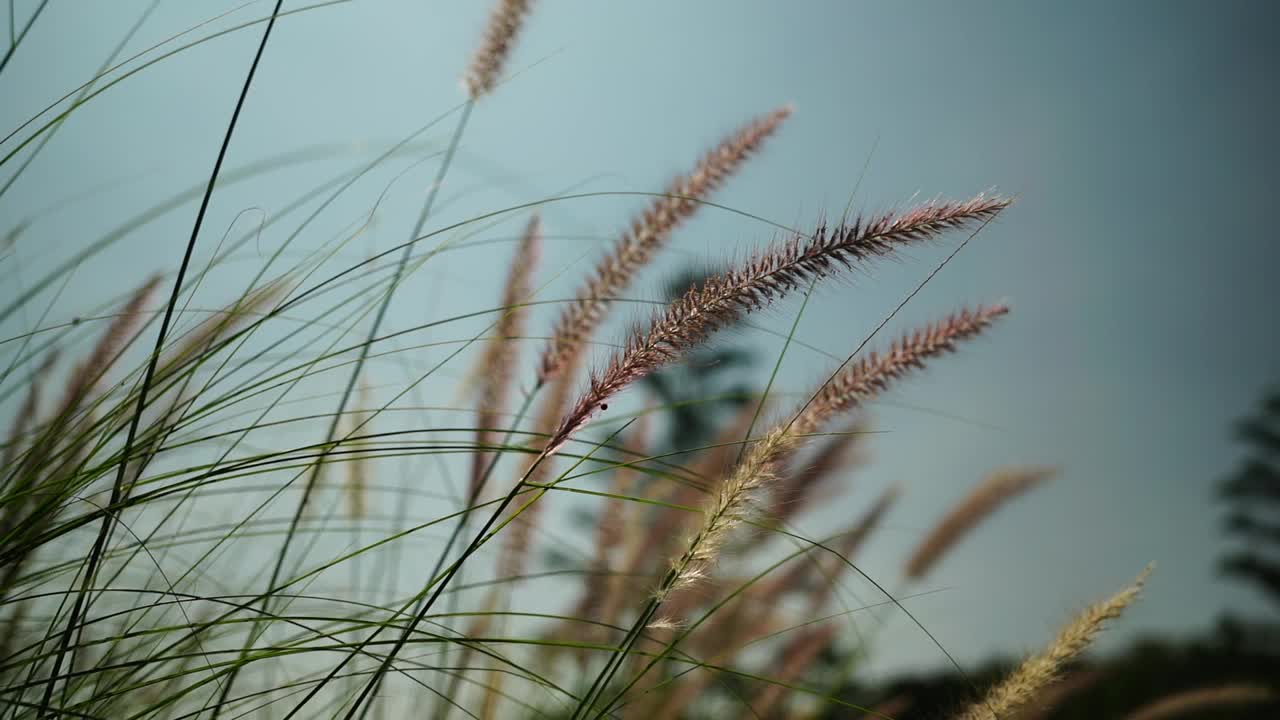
(1140, 260)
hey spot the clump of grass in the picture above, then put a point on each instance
(179, 454)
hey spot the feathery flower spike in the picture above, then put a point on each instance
(722, 299)
(1038, 671)
(735, 499)
(113, 341)
(499, 37)
(998, 488)
(647, 235)
(498, 360)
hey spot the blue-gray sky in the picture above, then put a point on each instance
(1137, 137)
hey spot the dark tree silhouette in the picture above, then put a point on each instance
(1252, 493)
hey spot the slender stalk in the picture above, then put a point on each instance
(15, 42)
(353, 378)
(476, 490)
(431, 599)
(102, 69)
(95, 555)
(437, 581)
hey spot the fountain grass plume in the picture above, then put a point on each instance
(723, 299)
